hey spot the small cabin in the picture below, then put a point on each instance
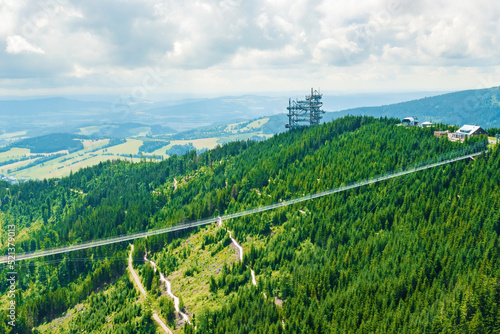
(426, 124)
(409, 121)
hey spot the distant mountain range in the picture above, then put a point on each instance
(30, 118)
(159, 129)
(50, 115)
(44, 116)
(478, 107)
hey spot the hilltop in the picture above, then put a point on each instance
(417, 253)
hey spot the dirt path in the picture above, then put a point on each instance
(168, 285)
(238, 246)
(240, 251)
(161, 323)
(254, 281)
(143, 291)
(134, 274)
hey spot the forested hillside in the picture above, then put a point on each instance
(419, 254)
(49, 143)
(414, 254)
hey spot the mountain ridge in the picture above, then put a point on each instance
(481, 107)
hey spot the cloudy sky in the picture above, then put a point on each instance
(147, 47)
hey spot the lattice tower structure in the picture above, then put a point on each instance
(307, 112)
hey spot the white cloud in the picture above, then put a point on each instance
(8, 13)
(80, 71)
(448, 39)
(18, 44)
(259, 43)
(285, 57)
(337, 52)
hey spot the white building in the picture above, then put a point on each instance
(409, 121)
(467, 131)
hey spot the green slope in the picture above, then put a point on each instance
(419, 253)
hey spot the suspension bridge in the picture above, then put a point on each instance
(447, 158)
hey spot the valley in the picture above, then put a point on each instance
(20, 164)
(132, 140)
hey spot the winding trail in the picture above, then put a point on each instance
(240, 253)
(134, 274)
(254, 280)
(168, 285)
(156, 318)
(238, 246)
(240, 250)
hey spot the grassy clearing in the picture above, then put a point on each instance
(13, 166)
(89, 156)
(130, 147)
(89, 143)
(93, 153)
(62, 324)
(51, 171)
(236, 128)
(21, 234)
(190, 281)
(161, 151)
(233, 127)
(257, 123)
(58, 166)
(62, 166)
(56, 325)
(199, 144)
(14, 153)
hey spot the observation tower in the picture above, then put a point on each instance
(305, 113)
